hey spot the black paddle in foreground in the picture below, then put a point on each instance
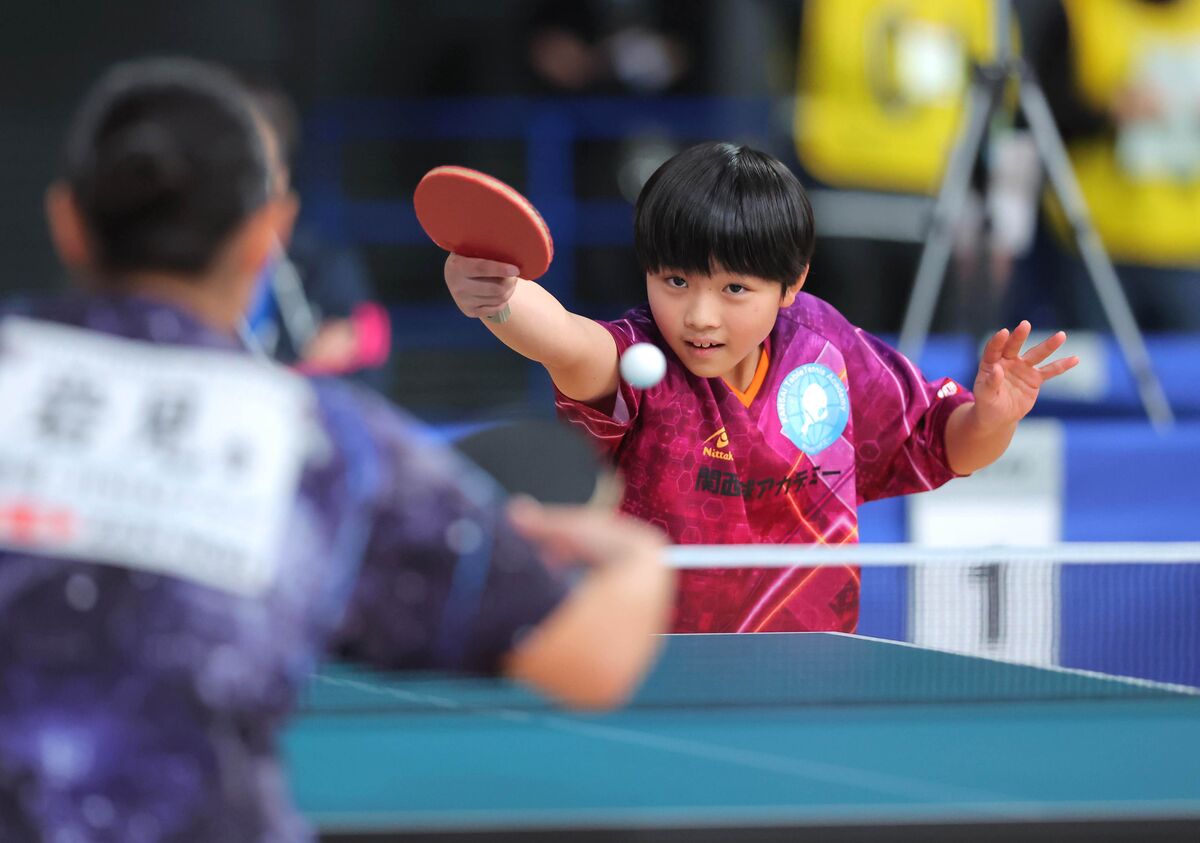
(545, 459)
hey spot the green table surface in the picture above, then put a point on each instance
(765, 734)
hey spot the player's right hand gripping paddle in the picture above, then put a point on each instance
(474, 215)
(547, 460)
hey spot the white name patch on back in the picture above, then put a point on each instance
(173, 460)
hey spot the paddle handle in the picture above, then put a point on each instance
(501, 317)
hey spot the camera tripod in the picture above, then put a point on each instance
(988, 85)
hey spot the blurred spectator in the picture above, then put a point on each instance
(1123, 80)
(315, 307)
(592, 46)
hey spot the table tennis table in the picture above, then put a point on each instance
(766, 737)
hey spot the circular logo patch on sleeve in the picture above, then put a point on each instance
(814, 407)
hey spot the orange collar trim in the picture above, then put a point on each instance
(760, 375)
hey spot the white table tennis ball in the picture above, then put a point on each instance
(643, 365)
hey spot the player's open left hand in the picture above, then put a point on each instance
(480, 287)
(1008, 382)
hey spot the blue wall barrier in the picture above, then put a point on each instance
(549, 130)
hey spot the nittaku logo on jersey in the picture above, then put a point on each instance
(813, 406)
(718, 447)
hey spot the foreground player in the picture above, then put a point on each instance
(140, 699)
(776, 417)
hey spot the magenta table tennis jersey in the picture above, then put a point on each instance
(839, 418)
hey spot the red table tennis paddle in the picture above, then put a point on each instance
(472, 214)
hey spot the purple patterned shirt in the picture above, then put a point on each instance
(139, 707)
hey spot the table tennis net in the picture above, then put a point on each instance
(936, 625)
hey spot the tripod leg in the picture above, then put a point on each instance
(1095, 258)
(956, 181)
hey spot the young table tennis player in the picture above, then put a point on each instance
(185, 529)
(776, 417)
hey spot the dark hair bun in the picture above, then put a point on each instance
(139, 169)
(165, 159)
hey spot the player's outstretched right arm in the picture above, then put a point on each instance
(579, 354)
(592, 650)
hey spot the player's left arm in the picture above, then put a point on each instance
(1006, 388)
